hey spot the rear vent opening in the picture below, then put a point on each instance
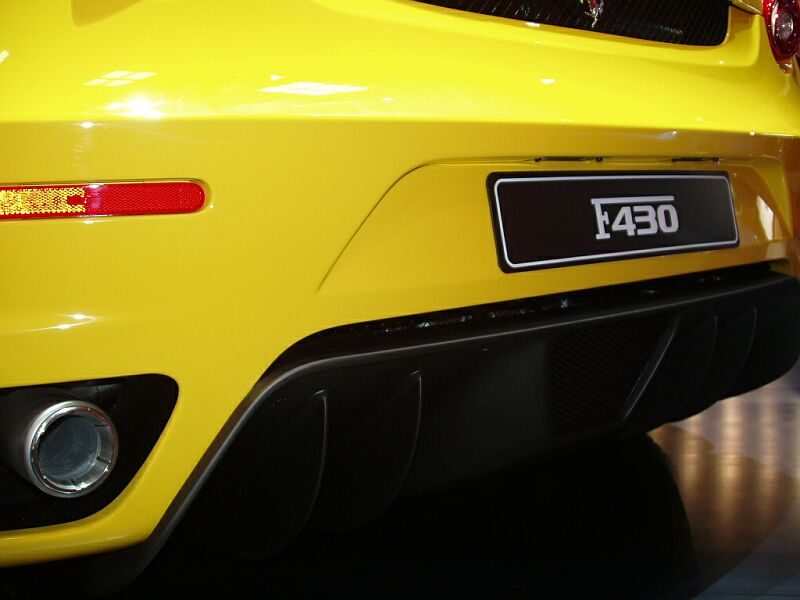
(695, 22)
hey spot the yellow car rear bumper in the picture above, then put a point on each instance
(364, 199)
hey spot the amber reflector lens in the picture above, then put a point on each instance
(783, 26)
(100, 199)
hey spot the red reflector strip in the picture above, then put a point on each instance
(100, 199)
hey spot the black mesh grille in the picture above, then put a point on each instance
(692, 22)
(594, 370)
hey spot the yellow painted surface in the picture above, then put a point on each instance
(345, 146)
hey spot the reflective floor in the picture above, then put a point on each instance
(705, 508)
(737, 468)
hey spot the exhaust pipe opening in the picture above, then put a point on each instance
(64, 446)
(74, 449)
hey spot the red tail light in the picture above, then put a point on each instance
(100, 199)
(783, 26)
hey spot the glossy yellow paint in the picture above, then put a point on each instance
(345, 146)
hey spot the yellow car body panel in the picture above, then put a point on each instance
(362, 200)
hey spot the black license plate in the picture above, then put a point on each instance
(558, 219)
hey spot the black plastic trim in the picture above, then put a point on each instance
(734, 287)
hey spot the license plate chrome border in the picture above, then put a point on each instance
(495, 179)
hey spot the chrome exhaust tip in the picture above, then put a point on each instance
(64, 446)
